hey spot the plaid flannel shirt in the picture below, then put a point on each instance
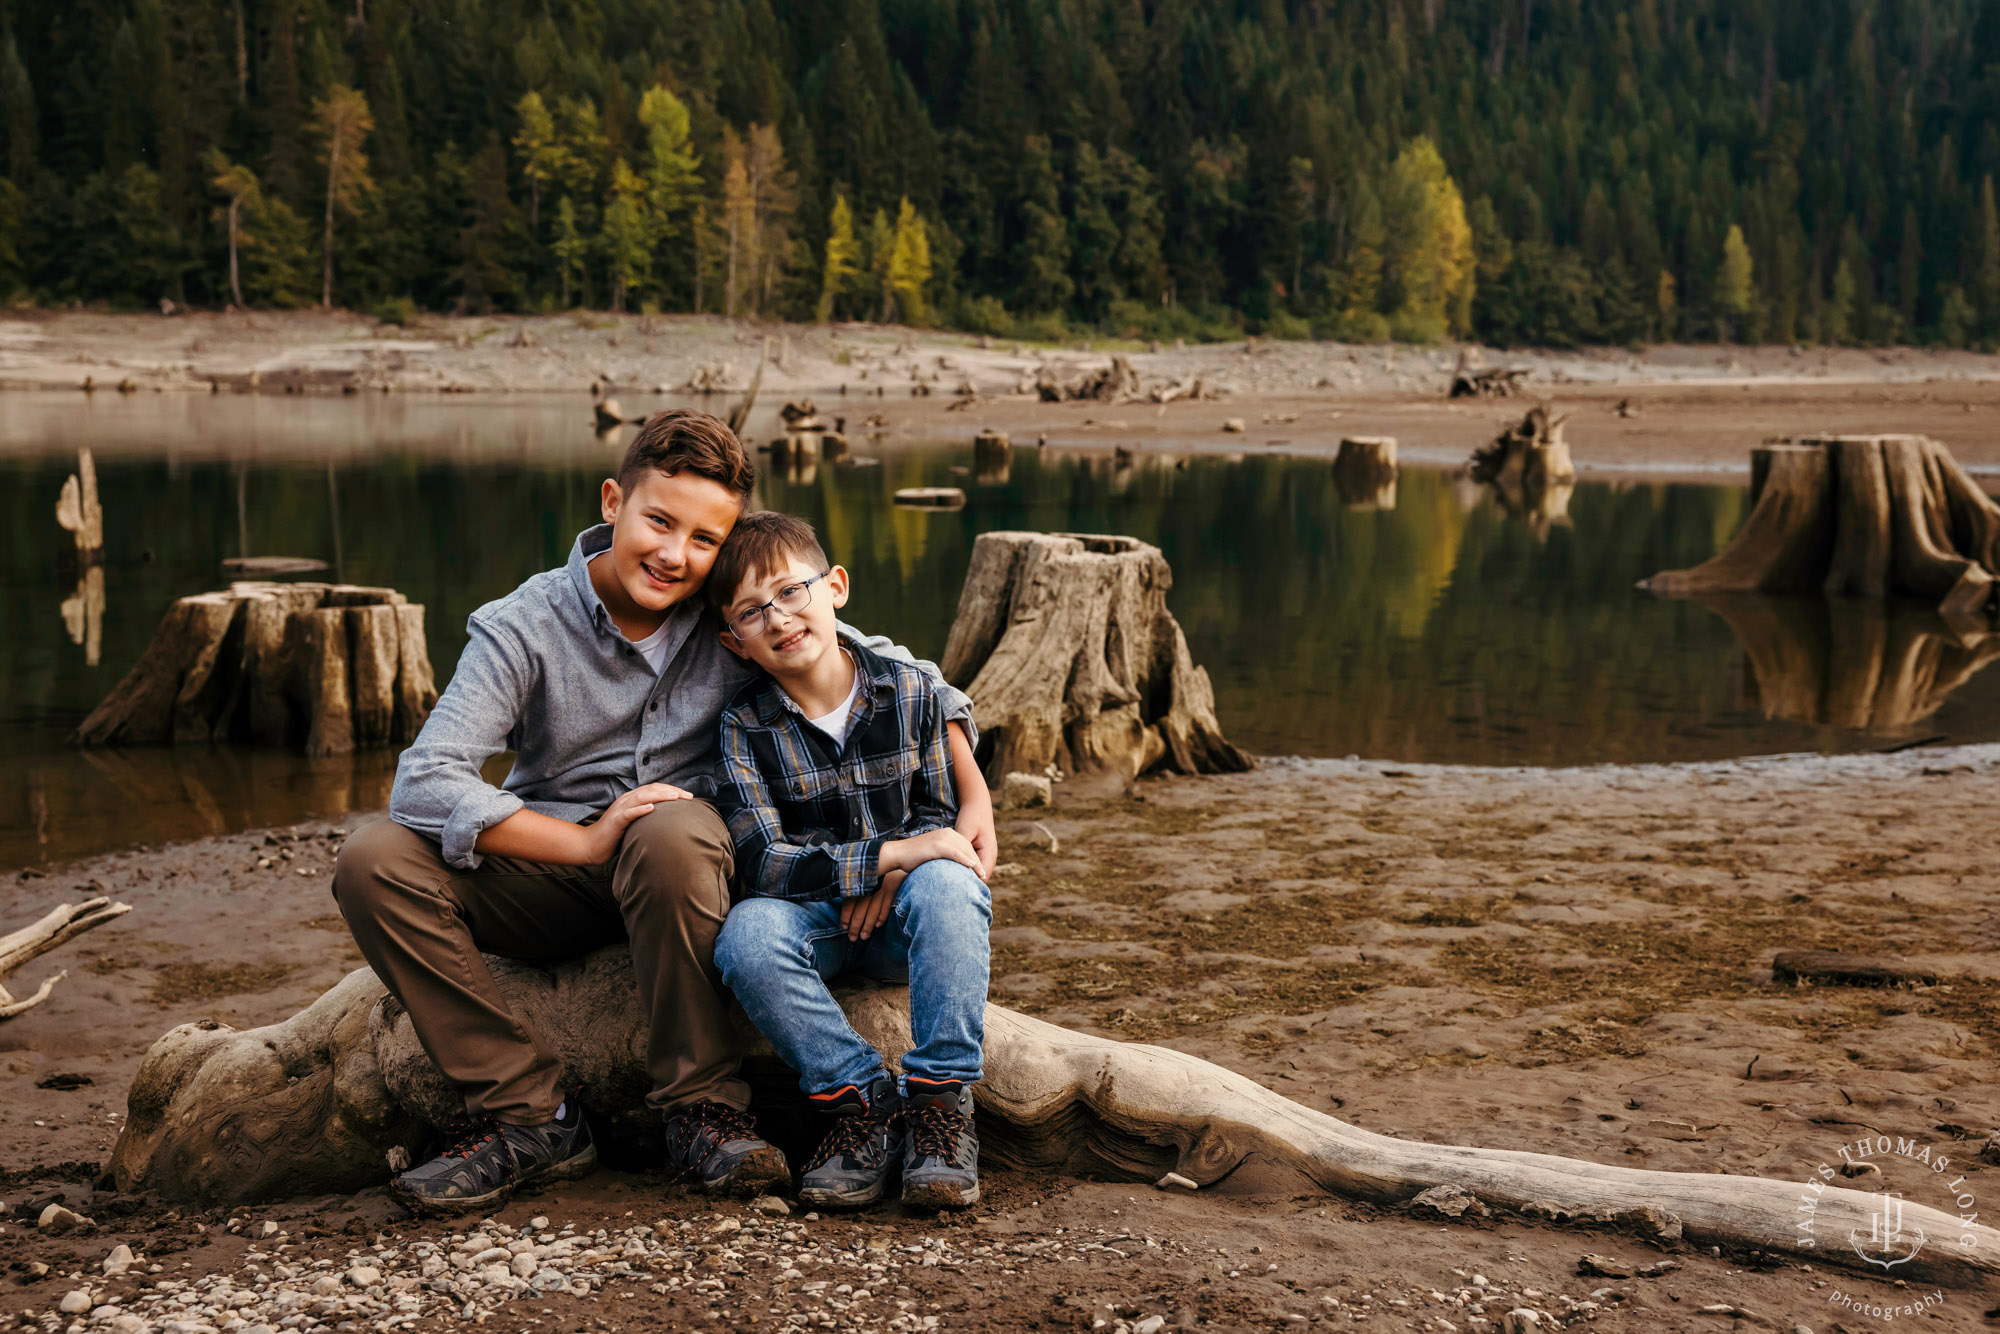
(809, 818)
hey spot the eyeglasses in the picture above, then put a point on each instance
(791, 600)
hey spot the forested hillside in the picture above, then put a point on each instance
(1546, 171)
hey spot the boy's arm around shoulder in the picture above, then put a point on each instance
(954, 704)
(440, 791)
(769, 865)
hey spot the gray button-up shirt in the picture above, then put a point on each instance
(547, 674)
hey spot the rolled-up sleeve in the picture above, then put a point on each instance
(440, 791)
(954, 704)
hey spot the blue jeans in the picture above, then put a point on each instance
(778, 956)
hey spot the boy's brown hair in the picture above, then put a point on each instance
(682, 440)
(759, 544)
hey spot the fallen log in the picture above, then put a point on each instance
(1870, 517)
(1065, 642)
(1849, 970)
(328, 667)
(326, 1099)
(1115, 383)
(61, 923)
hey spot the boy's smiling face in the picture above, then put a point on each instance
(665, 533)
(790, 644)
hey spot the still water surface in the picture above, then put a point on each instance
(1432, 623)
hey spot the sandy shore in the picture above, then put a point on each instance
(1575, 961)
(1692, 409)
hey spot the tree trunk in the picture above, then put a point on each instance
(59, 924)
(319, 1102)
(1862, 517)
(78, 510)
(1531, 456)
(1066, 645)
(330, 667)
(235, 203)
(332, 168)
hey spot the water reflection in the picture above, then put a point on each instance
(1877, 667)
(1436, 625)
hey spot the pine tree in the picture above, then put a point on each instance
(1984, 244)
(342, 121)
(672, 185)
(1733, 290)
(1139, 264)
(1093, 236)
(627, 235)
(542, 154)
(239, 184)
(842, 250)
(881, 251)
(484, 271)
(739, 212)
(277, 242)
(1044, 285)
(571, 248)
(910, 265)
(17, 111)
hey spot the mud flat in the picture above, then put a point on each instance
(1575, 961)
(1688, 409)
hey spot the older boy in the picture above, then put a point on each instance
(837, 783)
(605, 678)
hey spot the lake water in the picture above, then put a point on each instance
(1435, 623)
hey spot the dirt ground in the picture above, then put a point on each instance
(1574, 961)
(1692, 409)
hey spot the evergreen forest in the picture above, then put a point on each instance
(1551, 172)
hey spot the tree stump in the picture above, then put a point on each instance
(992, 457)
(1115, 383)
(1364, 472)
(1860, 516)
(1530, 456)
(319, 1102)
(328, 667)
(78, 511)
(1867, 666)
(1066, 645)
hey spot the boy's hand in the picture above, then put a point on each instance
(608, 832)
(864, 916)
(907, 854)
(975, 823)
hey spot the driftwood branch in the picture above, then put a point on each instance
(319, 1102)
(61, 923)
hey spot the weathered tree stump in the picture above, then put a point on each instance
(320, 1101)
(992, 457)
(1066, 645)
(79, 512)
(1364, 472)
(1500, 382)
(1868, 666)
(329, 667)
(1529, 456)
(1869, 516)
(1115, 383)
(60, 923)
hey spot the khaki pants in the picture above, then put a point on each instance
(422, 926)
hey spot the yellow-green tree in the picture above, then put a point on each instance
(1732, 283)
(671, 172)
(542, 153)
(910, 264)
(739, 212)
(1430, 245)
(842, 254)
(881, 250)
(342, 121)
(239, 184)
(627, 252)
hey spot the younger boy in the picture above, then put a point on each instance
(836, 782)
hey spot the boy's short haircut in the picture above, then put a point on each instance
(680, 440)
(759, 544)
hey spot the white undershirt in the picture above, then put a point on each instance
(653, 648)
(837, 723)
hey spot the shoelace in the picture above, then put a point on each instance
(472, 1140)
(727, 1122)
(934, 1130)
(849, 1134)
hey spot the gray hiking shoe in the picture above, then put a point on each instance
(941, 1160)
(491, 1161)
(853, 1164)
(718, 1149)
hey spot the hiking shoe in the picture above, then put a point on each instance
(941, 1160)
(491, 1161)
(853, 1164)
(717, 1148)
